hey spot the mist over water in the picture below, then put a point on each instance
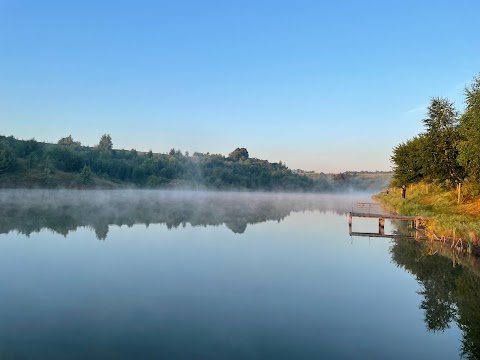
(62, 211)
(212, 275)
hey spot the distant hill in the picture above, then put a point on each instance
(363, 180)
(68, 164)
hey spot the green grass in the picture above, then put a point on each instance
(448, 218)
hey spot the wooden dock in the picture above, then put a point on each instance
(416, 221)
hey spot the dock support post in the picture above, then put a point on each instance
(350, 224)
(381, 226)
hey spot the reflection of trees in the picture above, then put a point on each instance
(468, 300)
(438, 304)
(450, 293)
(65, 211)
(238, 227)
(101, 231)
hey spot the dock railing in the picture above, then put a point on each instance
(366, 207)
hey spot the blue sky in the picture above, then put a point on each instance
(321, 85)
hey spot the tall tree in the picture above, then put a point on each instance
(105, 144)
(410, 161)
(442, 136)
(469, 146)
(86, 176)
(441, 116)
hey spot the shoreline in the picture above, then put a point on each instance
(448, 224)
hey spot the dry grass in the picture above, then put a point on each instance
(472, 207)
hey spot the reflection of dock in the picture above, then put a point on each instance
(380, 235)
(415, 221)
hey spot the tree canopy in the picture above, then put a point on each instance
(469, 145)
(239, 154)
(447, 153)
(68, 141)
(105, 144)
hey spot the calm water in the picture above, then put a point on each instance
(164, 275)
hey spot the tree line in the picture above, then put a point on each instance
(30, 163)
(448, 151)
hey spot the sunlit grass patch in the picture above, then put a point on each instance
(473, 207)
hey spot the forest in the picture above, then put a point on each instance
(68, 164)
(447, 152)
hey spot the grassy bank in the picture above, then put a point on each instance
(448, 218)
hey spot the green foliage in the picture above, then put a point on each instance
(410, 161)
(68, 141)
(239, 154)
(51, 161)
(65, 158)
(105, 145)
(7, 159)
(469, 146)
(86, 176)
(27, 147)
(71, 165)
(441, 117)
(442, 137)
(447, 153)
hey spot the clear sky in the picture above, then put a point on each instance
(321, 85)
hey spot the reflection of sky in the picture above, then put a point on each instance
(301, 288)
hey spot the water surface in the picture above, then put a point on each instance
(184, 275)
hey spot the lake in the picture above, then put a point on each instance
(199, 275)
